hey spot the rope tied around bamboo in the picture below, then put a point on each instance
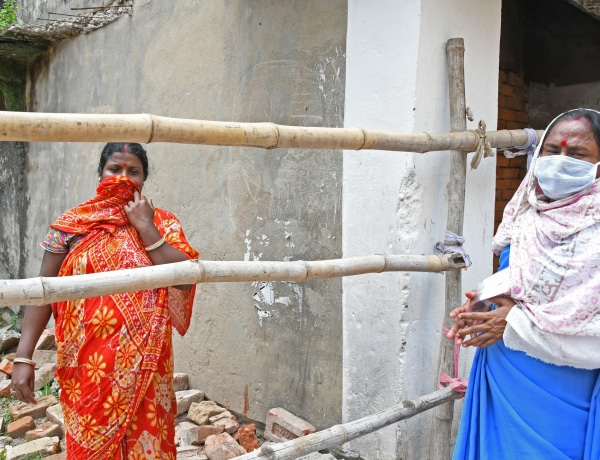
(484, 149)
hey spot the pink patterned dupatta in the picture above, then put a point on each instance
(554, 256)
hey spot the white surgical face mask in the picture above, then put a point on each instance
(560, 176)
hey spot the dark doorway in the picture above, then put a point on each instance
(549, 63)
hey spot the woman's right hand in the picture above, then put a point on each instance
(35, 321)
(467, 307)
(22, 381)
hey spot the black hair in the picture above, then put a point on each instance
(128, 147)
(590, 115)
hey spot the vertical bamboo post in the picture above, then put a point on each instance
(442, 430)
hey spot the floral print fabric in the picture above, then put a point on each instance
(115, 358)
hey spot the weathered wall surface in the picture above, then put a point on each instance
(13, 156)
(548, 101)
(13, 159)
(251, 347)
(396, 203)
(325, 350)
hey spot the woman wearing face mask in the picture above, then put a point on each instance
(115, 357)
(534, 390)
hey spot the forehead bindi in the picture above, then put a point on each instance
(124, 159)
(572, 132)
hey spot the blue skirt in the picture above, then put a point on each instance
(518, 407)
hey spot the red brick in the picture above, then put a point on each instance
(222, 446)
(196, 434)
(48, 429)
(506, 90)
(512, 115)
(42, 357)
(509, 173)
(499, 207)
(514, 79)
(246, 436)
(180, 381)
(34, 410)
(507, 184)
(18, 428)
(502, 161)
(47, 340)
(5, 388)
(519, 162)
(6, 366)
(515, 103)
(507, 194)
(517, 124)
(282, 425)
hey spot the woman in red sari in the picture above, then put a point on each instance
(115, 357)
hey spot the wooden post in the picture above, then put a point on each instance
(441, 436)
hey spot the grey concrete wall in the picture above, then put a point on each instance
(13, 156)
(548, 101)
(250, 346)
(13, 205)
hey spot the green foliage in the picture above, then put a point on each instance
(7, 416)
(8, 13)
(13, 321)
(48, 390)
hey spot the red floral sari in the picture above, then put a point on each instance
(115, 357)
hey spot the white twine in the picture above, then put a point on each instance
(527, 149)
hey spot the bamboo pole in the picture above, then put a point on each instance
(45, 290)
(442, 429)
(147, 128)
(340, 434)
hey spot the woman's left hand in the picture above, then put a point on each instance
(140, 212)
(490, 325)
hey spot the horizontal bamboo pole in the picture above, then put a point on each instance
(339, 434)
(147, 128)
(44, 290)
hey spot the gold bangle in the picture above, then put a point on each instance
(25, 361)
(156, 245)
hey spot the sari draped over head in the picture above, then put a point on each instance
(555, 256)
(536, 393)
(115, 358)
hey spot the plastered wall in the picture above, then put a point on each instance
(396, 203)
(328, 351)
(251, 346)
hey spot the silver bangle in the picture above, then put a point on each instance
(156, 245)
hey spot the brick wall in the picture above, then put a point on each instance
(512, 114)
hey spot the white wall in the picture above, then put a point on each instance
(395, 203)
